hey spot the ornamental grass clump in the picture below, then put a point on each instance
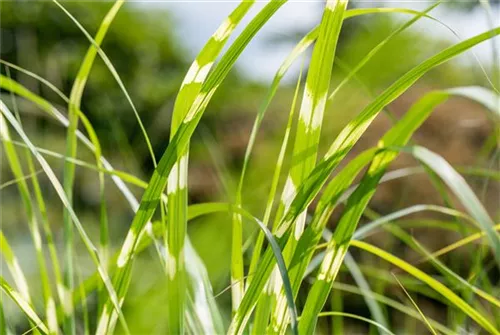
(282, 283)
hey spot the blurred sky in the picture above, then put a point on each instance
(197, 20)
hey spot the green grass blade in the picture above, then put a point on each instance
(362, 283)
(14, 268)
(368, 228)
(24, 305)
(17, 180)
(461, 190)
(177, 190)
(75, 98)
(308, 133)
(379, 46)
(178, 144)
(353, 131)
(202, 293)
(115, 74)
(60, 192)
(424, 318)
(356, 205)
(17, 171)
(357, 317)
(4, 328)
(452, 277)
(296, 52)
(458, 244)
(339, 184)
(93, 144)
(42, 80)
(436, 285)
(194, 211)
(363, 61)
(356, 128)
(264, 306)
(391, 303)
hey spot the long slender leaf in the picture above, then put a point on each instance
(24, 305)
(357, 317)
(358, 201)
(69, 169)
(307, 135)
(6, 114)
(436, 285)
(179, 143)
(15, 166)
(344, 143)
(93, 144)
(177, 180)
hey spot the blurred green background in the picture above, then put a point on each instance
(152, 59)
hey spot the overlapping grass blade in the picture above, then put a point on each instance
(177, 180)
(461, 190)
(60, 192)
(356, 204)
(307, 137)
(298, 50)
(48, 296)
(14, 268)
(194, 211)
(69, 171)
(179, 143)
(22, 186)
(357, 317)
(264, 307)
(24, 305)
(115, 74)
(368, 228)
(391, 303)
(452, 277)
(369, 56)
(353, 131)
(93, 144)
(15, 181)
(436, 285)
(422, 315)
(362, 283)
(344, 143)
(458, 244)
(379, 46)
(203, 296)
